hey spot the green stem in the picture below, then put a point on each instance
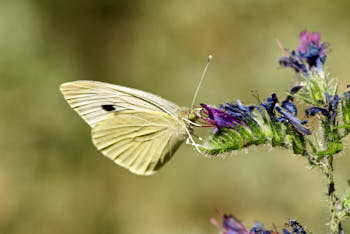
(335, 222)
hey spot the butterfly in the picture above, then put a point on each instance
(138, 130)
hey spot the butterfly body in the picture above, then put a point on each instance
(137, 130)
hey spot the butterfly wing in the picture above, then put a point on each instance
(137, 130)
(88, 97)
(139, 140)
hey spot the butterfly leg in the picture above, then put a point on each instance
(191, 123)
(190, 140)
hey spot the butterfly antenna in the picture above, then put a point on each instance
(201, 80)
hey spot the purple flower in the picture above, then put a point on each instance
(269, 105)
(288, 111)
(240, 111)
(307, 38)
(312, 49)
(330, 110)
(297, 228)
(294, 62)
(311, 53)
(219, 118)
(232, 226)
(238, 115)
(291, 118)
(259, 229)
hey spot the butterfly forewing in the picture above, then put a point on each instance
(87, 97)
(142, 141)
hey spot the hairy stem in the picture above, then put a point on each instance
(335, 222)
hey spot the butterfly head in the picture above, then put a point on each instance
(194, 114)
(190, 116)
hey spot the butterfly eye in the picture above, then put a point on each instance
(108, 107)
(191, 117)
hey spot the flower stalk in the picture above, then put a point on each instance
(335, 219)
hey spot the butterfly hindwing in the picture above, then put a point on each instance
(141, 141)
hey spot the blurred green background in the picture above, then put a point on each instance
(53, 180)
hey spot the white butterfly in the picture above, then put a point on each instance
(137, 130)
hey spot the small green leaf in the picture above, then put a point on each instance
(346, 200)
(298, 144)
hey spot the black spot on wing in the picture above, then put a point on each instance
(108, 107)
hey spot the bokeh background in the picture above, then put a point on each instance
(53, 180)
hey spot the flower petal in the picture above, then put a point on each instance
(314, 110)
(315, 37)
(297, 124)
(220, 118)
(290, 107)
(270, 103)
(233, 226)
